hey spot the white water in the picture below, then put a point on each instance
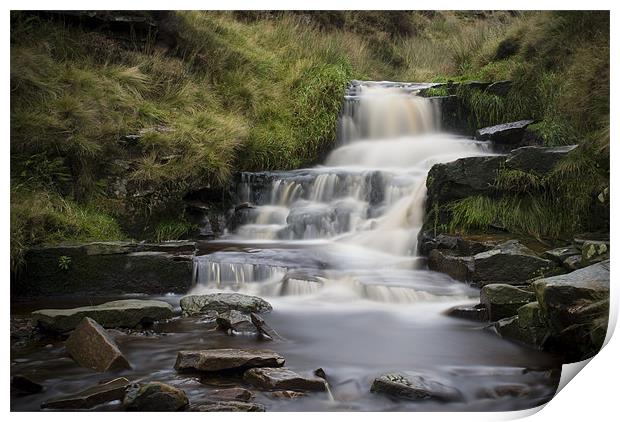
(360, 211)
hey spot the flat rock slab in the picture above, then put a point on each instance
(504, 135)
(559, 255)
(154, 397)
(229, 406)
(213, 360)
(282, 379)
(222, 302)
(535, 159)
(119, 313)
(91, 397)
(414, 387)
(92, 347)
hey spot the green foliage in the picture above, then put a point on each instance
(64, 262)
(173, 230)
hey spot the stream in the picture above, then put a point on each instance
(334, 249)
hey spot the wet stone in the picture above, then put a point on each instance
(154, 397)
(231, 394)
(236, 321)
(92, 347)
(267, 333)
(226, 359)
(222, 302)
(25, 385)
(474, 313)
(282, 379)
(414, 387)
(120, 313)
(91, 397)
(503, 300)
(287, 394)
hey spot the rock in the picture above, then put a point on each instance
(91, 347)
(526, 327)
(222, 302)
(229, 406)
(94, 268)
(320, 372)
(287, 394)
(462, 178)
(223, 359)
(499, 88)
(509, 262)
(503, 300)
(236, 321)
(154, 397)
(576, 309)
(457, 267)
(559, 255)
(120, 313)
(459, 245)
(414, 387)
(536, 159)
(506, 136)
(572, 263)
(282, 379)
(264, 329)
(593, 251)
(91, 397)
(476, 313)
(231, 394)
(25, 385)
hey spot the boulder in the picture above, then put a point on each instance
(92, 347)
(559, 255)
(225, 359)
(24, 385)
(475, 313)
(536, 159)
(462, 178)
(575, 307)
(526, 327)
(414, 387)
(94, 268)
(572, 263)
(509, 262)
(282, 379)
(120, 313)
(229, 406)
(91, 397)
(593, 251)
(503, 300)
(236, 321)
(457, 267)
(231, 394)
(222, 302)
(505, 136)
(154, 397)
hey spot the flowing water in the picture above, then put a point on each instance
(333, 248)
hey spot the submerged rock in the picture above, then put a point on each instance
(120, 313)
(264, 329)
(92, 347)
(282, 379)
(154, 397)
(224, 359)
(229, 406)
(414, 387)
(25, 385)
(91, 397)
(475, 313)
(505, 136)
(222, 302)
(231, 394)
(503, 300)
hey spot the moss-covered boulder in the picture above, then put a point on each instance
(503, 300)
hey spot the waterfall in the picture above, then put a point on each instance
(368, 196)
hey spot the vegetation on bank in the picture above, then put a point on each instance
(109, 130)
